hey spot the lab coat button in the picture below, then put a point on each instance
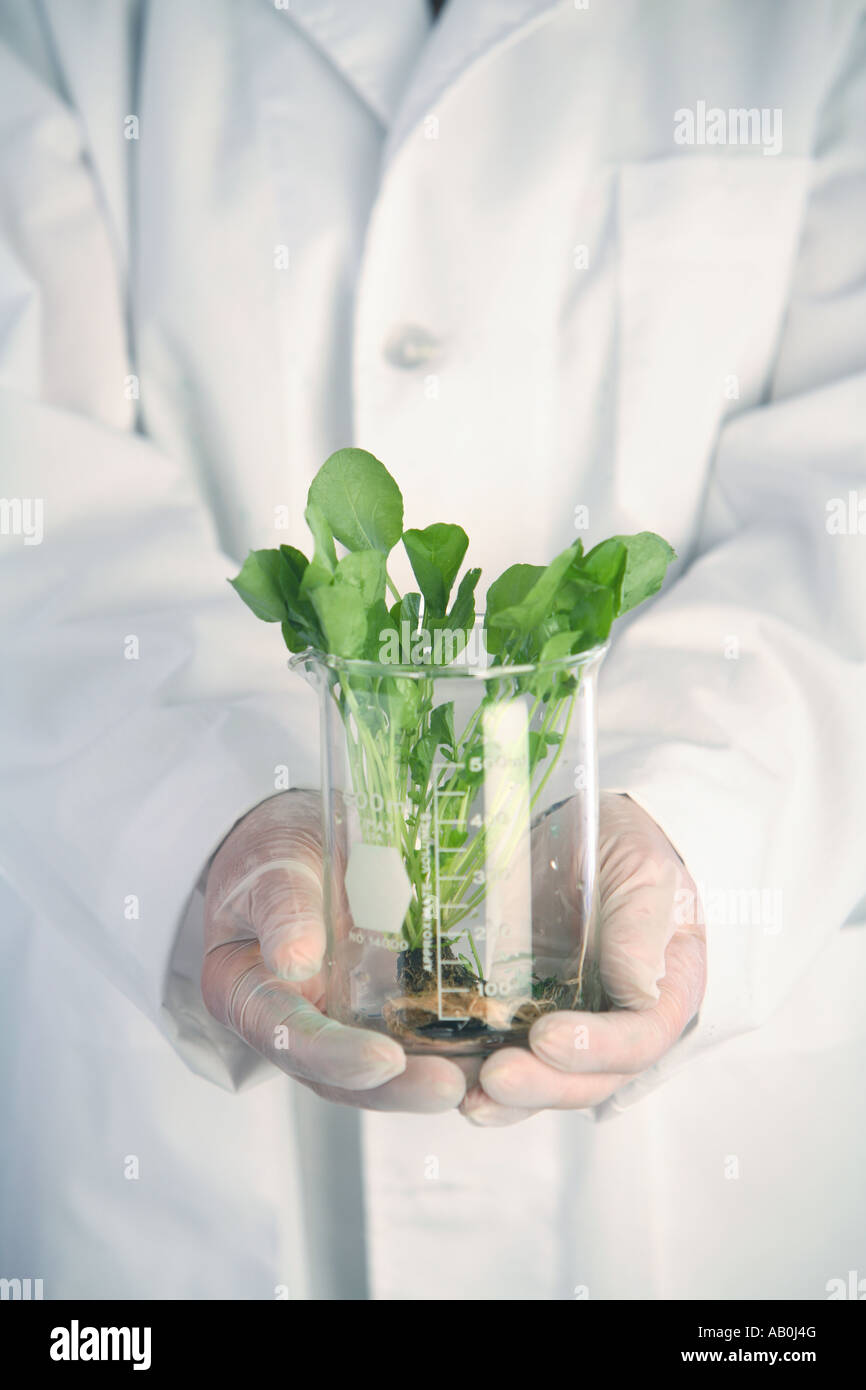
(408, 345)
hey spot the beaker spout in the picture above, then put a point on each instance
(308, 664)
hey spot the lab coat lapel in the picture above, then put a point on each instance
(466, 31)
(373, 45)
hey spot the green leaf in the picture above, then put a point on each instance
(558, 646)
(401, 697)
(378, 621)
(293, 638)
(440, 732)
(462, 614)
(606, 564)
(473, 763)
(436, 554)
(350, 605)
(553, 649)
(648, 558)
(591, 611)
(324, 562)
(368, 712)
(539, 743)
(506, 592)
(523, 615)
(421, 758)
(407, 609)
(343, 614)
(293, 567)
(302, 619)
(360, 501)
(260, 585)
(557, 621)
(269, 583)
(365, 571)
(461, 618)
(442, 725)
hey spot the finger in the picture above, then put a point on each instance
(644, 883)
(470, 1066)
(479, 1109)
(266, 881)
(627, 1040)
(638, 924)
(286, 913)
(517, 1081)
(428, 1086)
(283, 1026)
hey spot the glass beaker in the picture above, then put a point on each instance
(460, 837)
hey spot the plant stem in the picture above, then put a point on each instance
(379, 762)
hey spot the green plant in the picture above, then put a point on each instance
(404, 748)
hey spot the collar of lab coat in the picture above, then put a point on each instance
(360, 40)
(364, 42)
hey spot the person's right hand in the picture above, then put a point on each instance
(263, 972)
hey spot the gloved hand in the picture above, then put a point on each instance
(653, 967)
(262, 973)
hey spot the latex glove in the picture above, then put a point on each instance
(653, 966)
(262, 973)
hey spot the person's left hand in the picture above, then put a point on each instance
(653, 966)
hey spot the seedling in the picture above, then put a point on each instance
(403, 748)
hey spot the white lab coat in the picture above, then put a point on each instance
(236, 236)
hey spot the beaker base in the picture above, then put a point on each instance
(476, 1025)
(444, 1037)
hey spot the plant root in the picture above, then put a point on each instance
(407, 1014)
